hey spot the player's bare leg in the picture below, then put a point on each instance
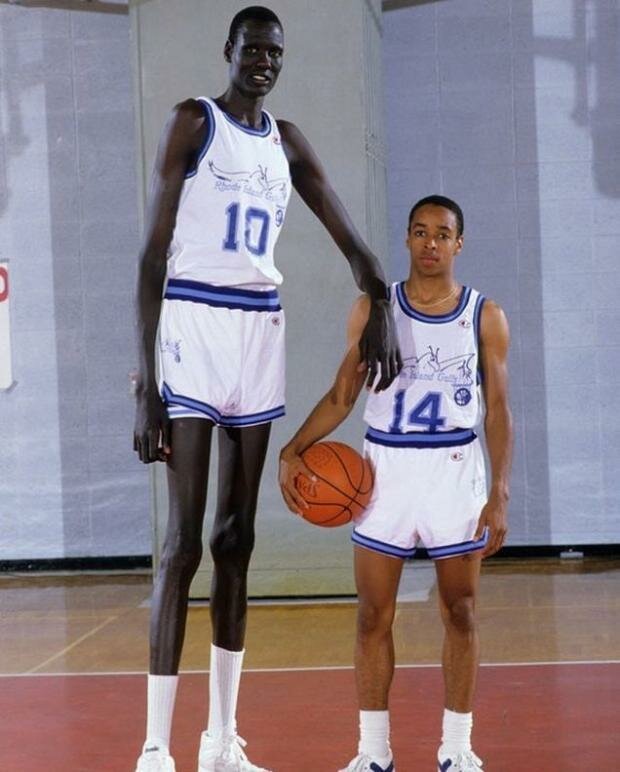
(458, 581)
(241, 459)
(187, 469)
(376, 577)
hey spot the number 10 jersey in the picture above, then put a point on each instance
(232, 205)
(438, 388)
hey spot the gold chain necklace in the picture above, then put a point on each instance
(437, 302)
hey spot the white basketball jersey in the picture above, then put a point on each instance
(438, 389)
(232, 204)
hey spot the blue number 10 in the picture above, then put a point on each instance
(425, 413)
(255, 243)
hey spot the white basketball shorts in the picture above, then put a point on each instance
(221, 353)
(429, 490)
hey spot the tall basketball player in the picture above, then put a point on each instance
(219, 194)
(430, 485)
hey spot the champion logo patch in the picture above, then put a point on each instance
(456, 455)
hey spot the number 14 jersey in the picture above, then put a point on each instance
(438, 389)
(232, 205)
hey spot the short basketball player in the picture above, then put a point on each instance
(220, 189)
(430, 486)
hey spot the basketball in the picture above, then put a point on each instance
(343, 485)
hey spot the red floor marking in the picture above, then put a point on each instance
(536, 718)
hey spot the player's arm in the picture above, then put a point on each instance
(494, 340)
(330, 411)
(180, 141)
(378, 343)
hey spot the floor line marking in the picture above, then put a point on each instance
(34, 670)
(327, 668)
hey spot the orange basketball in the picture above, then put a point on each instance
(343, 485)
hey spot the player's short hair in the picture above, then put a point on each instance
(447, 203)
(255, 13)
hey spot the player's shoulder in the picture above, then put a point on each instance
(293, 140)
(492, 310)
(187, 124)
(360, 310)
(493, 321)
(189, 110)
(358, 318)
(286, 127)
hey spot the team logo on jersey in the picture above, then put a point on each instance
(276, 140)
(172, 347)
(464, 323)
(431, 367)
(456, 455)
(255, 183)
(462, 397)
(279, 217)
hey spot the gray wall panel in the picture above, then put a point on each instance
(68, 224)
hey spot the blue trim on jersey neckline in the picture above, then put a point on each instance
(264, 130)
(381, 546)
(223, 297)
(204, 409)
(210, 119)
(447, 439)
(439, 319)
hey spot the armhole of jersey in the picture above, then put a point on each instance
(477, 314)
(209, 134)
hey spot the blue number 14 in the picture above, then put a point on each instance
(425, 413)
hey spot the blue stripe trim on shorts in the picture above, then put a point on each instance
(421, 439)
(459, 549)
(223, 297)
(380, 546)
(197, 408)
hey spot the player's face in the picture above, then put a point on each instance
(432, 240)
(255, 58)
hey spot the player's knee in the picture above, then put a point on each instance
(233, 541)
(461, 614)
(181, 554)
(374, 620)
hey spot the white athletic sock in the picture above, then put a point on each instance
(456, 732)
(224, 677)
(375, 735)
(162, 691)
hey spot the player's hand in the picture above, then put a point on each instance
(493, 517)
(291, 466)
(379, 351)
(151, 436)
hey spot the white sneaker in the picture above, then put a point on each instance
(463, 761)
(224, 754)
(364, 763)
(155, 760)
